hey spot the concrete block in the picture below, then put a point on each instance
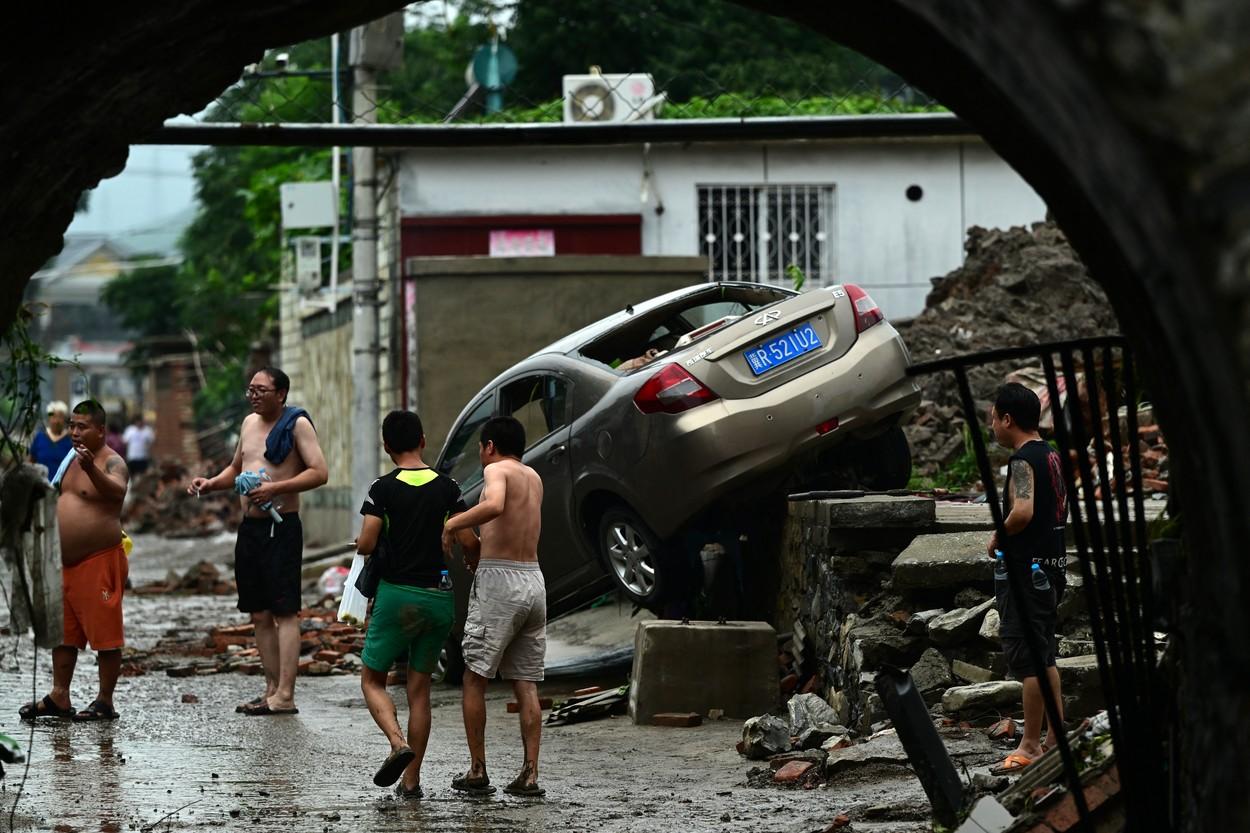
(941, 561)
(701, 666)
(1081, 686)
(982, 695)
(877, 511)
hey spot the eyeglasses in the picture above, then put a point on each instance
(256, 390)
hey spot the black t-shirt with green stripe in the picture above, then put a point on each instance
(413, 504)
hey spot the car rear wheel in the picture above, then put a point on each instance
(631, 552)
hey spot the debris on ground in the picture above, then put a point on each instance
(592, 703)
(1016, 287)
(204, 578)
(157, 501)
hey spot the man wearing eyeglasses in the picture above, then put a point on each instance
(281, 440)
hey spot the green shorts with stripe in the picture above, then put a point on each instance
(412, 619)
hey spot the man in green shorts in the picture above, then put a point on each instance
(407, 507)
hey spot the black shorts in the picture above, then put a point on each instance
(1039, 622)
(267, 569)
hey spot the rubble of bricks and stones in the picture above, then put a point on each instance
(157, 502)
(873, 582)
(1016, 287)
(327, 647)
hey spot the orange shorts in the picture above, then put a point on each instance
(92, 599)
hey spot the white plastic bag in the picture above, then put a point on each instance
(353, 605)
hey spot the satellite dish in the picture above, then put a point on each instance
(592, 102)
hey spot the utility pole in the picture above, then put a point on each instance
(373, 47)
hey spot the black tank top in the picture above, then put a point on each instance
(1043, 539)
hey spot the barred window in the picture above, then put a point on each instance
(755, 232)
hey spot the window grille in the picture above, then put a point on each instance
(755, 232)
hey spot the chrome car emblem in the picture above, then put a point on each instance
(765, 317)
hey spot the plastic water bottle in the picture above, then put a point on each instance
(1040, 580)
(1000, 567)
(444, 581)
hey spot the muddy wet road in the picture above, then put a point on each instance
(169, 765)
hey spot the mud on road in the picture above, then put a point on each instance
(169, 765)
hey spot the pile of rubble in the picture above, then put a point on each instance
(204, 578)
(157, 501)
(1016, 287)
(327, 647)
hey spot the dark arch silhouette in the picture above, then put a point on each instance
(1116, 118)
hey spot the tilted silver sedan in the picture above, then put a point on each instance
(681, 406)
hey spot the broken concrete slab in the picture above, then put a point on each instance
(874, 642)
(808, 711)
(931, 671)
(987, 816)
(958, 625)
(885, 748)
(982, 695)
(918, 624)
(817, 736)
(990, 627)
(951, 559)
(877, 511)
(971, 673)
(765, 736)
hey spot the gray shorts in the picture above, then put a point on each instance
(506, 629)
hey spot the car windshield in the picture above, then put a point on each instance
(460, 458)
(663, 328)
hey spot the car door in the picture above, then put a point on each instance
(541, 401)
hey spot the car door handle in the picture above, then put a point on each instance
(556, 453)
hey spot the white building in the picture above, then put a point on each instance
(889, 213)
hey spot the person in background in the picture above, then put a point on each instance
(138, 438)
(113, 439)
(52, 442)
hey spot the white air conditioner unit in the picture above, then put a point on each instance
(619, 97)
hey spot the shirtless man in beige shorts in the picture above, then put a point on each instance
(94, 568)
(268, 554)
(506, 629)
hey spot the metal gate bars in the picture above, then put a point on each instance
(1106, 508)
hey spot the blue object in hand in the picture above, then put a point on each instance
(249, 480)
(1040, 580)
(1000, 566)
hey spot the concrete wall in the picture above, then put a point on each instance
(470, 319)
(882, 240)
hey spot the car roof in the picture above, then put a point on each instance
(590, 332)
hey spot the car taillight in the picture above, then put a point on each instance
(867, 312)
(671, 391)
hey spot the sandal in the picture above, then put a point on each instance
(405, 794)
(1012, 763)
(479, 785)
(46, 707)
(251, 704)
(98, 710)
(519, 787)
(393, 766)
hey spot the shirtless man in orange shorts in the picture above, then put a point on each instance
(93, 564)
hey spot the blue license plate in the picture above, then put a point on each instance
(784, 348)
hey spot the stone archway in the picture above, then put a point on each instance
(1124, 116)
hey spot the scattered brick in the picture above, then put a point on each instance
(190, 698)
(792, 772)
(839, 821)
(594, 689)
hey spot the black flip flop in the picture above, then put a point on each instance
(46, 707)
(393, 766)
(250, 704)
(98, 710)
(472, 786)
(519, 787)
(264, 709)
(405, 794)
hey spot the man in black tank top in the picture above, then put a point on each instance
(1035, 512)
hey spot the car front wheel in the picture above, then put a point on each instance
(631, 552)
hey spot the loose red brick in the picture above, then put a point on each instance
(594, 689)
(326, 655)
(792, 772)
(741, 747)
(190, 698)
(839, 821)
(1063, 816)
(677, 719)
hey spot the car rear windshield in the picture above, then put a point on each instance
(662, 328)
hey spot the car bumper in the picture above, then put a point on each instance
(722, 446)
